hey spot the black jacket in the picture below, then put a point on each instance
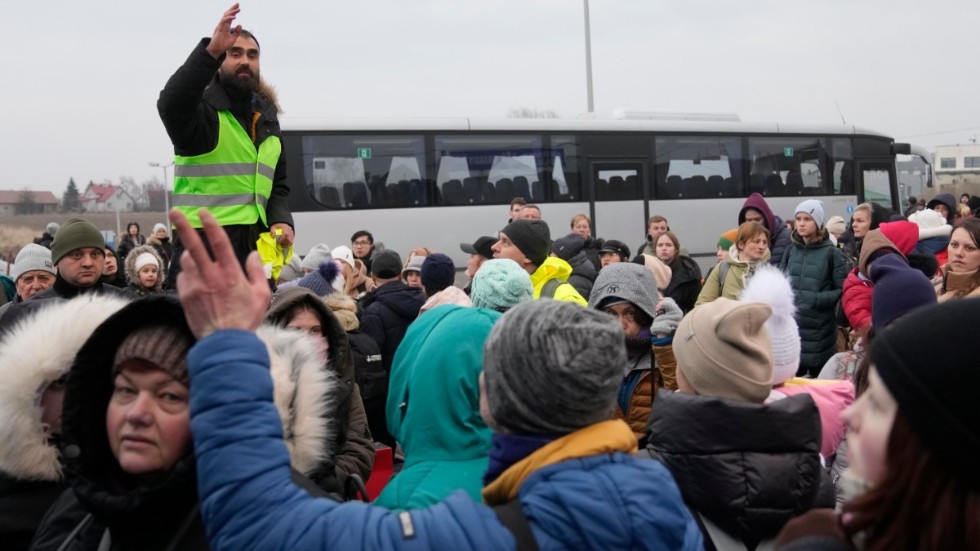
(23, 504)
(685, 282)
(746, 467)
(583, 274)
(189, 105)
(387, 312)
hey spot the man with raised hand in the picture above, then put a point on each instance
(222, 119)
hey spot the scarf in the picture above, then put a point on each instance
(507, 449)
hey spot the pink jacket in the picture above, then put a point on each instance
(831, 398)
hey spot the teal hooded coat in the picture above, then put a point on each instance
(433, 407)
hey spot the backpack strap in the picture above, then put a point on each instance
(511, 515)
(723, 268)
(550, 286)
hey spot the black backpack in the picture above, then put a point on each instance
(369, 370)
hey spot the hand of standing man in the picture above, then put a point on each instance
(225, 35)
(216, 294)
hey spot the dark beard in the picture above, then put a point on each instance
(237, 86)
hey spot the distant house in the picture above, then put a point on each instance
(107, 198)
(12, 202)
(957, 164)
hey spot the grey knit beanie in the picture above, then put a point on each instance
(500, 284)
(552, 367)
(31, 258)
(319, 254)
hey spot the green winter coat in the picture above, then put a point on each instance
(433, 407)
(817, 272)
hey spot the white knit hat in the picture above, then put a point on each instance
(931, 224)
(30, 258)
(158, 226)
(146, 259)
(771, 286)
(344, 254)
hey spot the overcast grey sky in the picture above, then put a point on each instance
(83, 77)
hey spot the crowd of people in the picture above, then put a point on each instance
(810, 391)
(777, 403)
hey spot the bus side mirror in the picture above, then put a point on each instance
(901, 149)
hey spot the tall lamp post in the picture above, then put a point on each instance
(166, 184)
(588, 57)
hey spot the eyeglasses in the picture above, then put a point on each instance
(362, 243)
(627, 315)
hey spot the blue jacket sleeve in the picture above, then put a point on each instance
(248, 501)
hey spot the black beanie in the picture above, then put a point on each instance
(568, 246)
(532, 237)
(927, 362)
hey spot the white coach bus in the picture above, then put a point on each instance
(439, 182)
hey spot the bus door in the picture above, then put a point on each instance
(617, 202)
(878, 178)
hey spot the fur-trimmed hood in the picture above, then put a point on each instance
(300, 385)
(345, 310)
(303, 393)
(132, 277)
(34, 353)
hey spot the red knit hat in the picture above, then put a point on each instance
(903, 234)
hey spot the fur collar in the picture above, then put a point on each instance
(304, 391)
(33, 354)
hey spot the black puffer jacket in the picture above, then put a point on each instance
(583, 273)
(817, 272)
(748, 468)
(685, 282)
(387, 312)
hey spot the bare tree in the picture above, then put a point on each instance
(128, 183)
(25, 202)
(532, 113)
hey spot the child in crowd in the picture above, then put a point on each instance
(144, 271)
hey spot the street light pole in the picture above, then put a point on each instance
(588, 57)
(166, 184)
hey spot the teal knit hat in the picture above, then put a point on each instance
(75, 234)
(501, 284)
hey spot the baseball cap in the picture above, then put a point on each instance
(481, 246)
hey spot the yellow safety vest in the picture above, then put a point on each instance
(233, 181)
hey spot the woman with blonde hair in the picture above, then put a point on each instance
(582, 225)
